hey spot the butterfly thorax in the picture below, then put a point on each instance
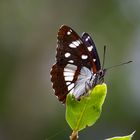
(86, 81)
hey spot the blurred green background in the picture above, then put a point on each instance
(28, 28)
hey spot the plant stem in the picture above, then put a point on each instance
(74, 135)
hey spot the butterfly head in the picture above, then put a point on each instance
(101, 74)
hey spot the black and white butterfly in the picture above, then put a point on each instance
(77, 68)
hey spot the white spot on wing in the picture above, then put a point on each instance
(87, 38)
(71, 67)
(70, 86)
(71, 61)
(68, 70)
(79, 42)
(68, 78)
(68, 33)
(76, 43)
(84, 56)
(94, 60)
(90, 48)
(67, 55)
(72, 45)
(66, 73)
(67, 83)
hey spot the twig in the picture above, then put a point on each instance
(74, 135)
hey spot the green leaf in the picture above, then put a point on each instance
(85, 112)
(129, 137)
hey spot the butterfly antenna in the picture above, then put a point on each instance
(104, 57)
(119, 65)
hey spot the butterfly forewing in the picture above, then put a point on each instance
(71, 48)
(91, 48)
(72, 55)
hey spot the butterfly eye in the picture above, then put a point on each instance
(101, 73)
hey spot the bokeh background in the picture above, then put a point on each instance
(28, 28)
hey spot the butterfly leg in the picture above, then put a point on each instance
(101, 80)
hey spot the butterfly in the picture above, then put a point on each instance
(77, 68)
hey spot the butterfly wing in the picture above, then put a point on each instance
(92, 48)
(72, 55)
